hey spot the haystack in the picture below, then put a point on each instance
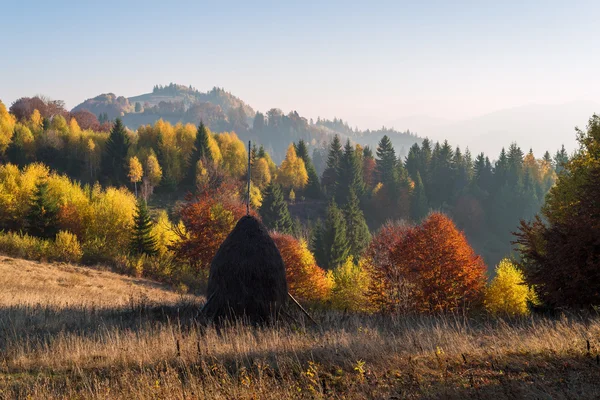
(247, 276)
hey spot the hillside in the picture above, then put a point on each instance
(222, 111)
(73, 332)
(29, 283)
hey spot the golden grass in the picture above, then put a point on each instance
(133, 349)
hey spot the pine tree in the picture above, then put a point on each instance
(357, 231)
(142, 240)
(274, 210)
(114, 160)
(42, 219)
(330, 175)
(200, 151)
(560, 159)
(418, 201)
(335, 242)
(350, 176)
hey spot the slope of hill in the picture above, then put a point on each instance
(60, 285)
(71, 332)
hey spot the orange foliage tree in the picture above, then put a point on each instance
(443, 269)
(387, 290)
(306, 280)
(207, 220)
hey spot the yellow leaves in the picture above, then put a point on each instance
(507, 293)
(36, 121)
(292, 172)
(74, 127)
(233, 151)
(256, 197)
(153, 170)
(163, 232)
(261, 173)
(135, 170)
(7, 124)
(350, 285)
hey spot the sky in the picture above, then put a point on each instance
(367, 62)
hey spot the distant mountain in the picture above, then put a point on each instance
(536, 126)
(222, 111)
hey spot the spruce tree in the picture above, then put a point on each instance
(386, 162)
(357, 231)
(350, 177)
(274, 210)
(200, 151)
(317, 244)
(42, 218)
(142, 239)
(335, 243)
(418, 201)
(114, 160)
(330, 175)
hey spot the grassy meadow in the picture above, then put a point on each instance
(78, 333)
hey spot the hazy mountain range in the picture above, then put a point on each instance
(537, 126)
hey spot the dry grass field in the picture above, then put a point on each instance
(79, 333)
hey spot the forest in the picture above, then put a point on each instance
(359, 228)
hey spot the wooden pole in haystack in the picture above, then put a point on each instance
(249, 166)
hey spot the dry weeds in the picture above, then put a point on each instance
(104, 345)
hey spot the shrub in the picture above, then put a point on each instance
(350, 285)
(25, 246)
(508, 293)
(67, 248)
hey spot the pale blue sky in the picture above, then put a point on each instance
(368, 62)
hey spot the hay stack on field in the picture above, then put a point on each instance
(247, 276)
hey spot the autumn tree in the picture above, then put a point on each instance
(350, 285)
(292, 172)
(560, 253)
(135, 172)
(388, 291)
(207, 219)
(153, 175)
(508, 293)
(313, 187)
(306, 281)
(443, 269)
(7, 125)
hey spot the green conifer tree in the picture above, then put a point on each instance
(357, 231)
(386, 163)
(114, 160)
(335, 243)
(317, 244)
(350, 177)
(42, 219)
(330, 175)
(313, 187)
(200, 151)
(274, 210)
(142, 240)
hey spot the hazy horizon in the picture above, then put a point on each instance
(370, 65)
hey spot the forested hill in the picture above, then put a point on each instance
(221, 111)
